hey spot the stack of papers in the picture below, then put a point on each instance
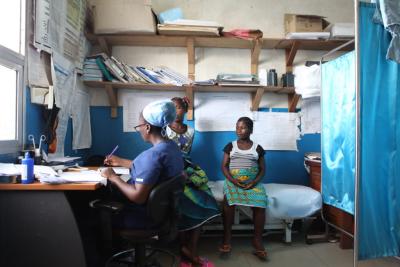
(237, 80)
(9, 169)
(308, 35)
(74, 177)
(190, 27)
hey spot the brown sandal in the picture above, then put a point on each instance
(261, 254)
(225, 248)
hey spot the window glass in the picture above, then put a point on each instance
(8, 104)
(12, 25)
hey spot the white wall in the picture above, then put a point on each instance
(266, 15)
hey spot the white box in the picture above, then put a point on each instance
(123, 16)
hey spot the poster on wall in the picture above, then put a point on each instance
(220, 111)
(59, 27)
(133, 103)
(277, 130)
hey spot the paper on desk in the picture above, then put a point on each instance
(9, 169)
(117, 170)
(55, 158)
(15, 169)
(75, 177)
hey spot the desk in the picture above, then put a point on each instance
(332, 214)
(38, 227)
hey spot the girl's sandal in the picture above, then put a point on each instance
(225, 248)
(261, 254)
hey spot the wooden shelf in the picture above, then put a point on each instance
(291, 46)
(212, 42)
(257, 91)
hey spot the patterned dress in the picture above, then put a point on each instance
(243, 166)
(197, 204)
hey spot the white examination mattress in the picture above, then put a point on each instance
(285, 201)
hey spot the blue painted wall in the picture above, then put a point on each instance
(282, 166)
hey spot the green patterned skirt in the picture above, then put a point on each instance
(197, 204)
(254, 197)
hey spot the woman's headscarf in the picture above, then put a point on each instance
(160, 113)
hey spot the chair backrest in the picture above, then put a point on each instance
(163, 200)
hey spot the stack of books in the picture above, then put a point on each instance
(114, 70)
(228, 79)
(190, 27)
(91, 71)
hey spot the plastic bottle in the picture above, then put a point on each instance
(27, 169)
(272, 79)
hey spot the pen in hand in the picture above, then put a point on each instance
(109, 155)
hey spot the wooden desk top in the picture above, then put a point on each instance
(51, 187)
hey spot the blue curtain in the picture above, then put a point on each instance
(379, 201)
(338, 132)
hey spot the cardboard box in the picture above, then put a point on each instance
(304, 23)
(123, 16)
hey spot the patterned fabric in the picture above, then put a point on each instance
(254, 197)
(184, 141)
(197, 204)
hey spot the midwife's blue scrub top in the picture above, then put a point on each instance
(159, 163)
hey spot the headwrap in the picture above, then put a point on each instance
(160, 113)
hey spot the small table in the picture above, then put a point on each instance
(38, 227)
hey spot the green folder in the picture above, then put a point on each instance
(104, 69)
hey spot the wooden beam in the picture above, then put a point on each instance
(191, 58)
(257, 99)
(105, 46)
(189, 95)
(113, 100)
(293, 100)
(255, 54)
(291, 53)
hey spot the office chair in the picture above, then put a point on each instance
(161, 208)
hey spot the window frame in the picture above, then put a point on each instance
(16, 62)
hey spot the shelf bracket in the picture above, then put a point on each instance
(189, 95)
(257, 99)
(255, 54)
(293, 100)
(113, 100)
(104, 46)
(191, 58)
(291, 54)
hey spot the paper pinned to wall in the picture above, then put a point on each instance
(64, 80)
(220, 111)
(80, 113)
(276, 130)
(36, 69)
(310, 116)
(133, 103)
(59, 27)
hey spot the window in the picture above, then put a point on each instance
(12, 50)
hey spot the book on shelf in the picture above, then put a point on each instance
(107, 75)
(171, 29)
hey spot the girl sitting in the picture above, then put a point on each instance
(243, 166)
(197, 204)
